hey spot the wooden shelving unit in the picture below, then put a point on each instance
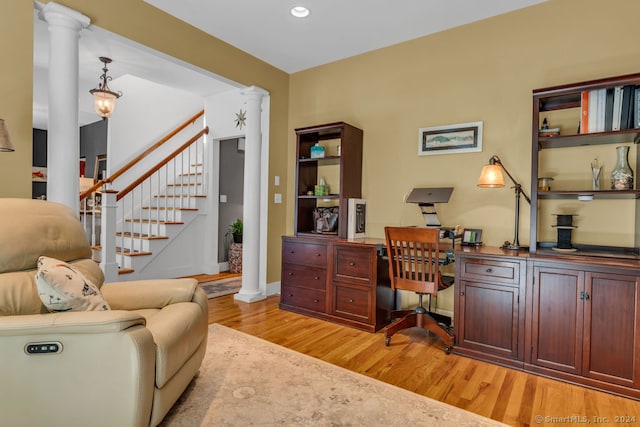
(546, 101)
(347, 180)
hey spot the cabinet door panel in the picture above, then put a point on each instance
(557, 319)
(304, 298)
(354, 264)
(489, 318)
(611, 330)
(490, 270)
(352, 303)
(304, 276)
(314, 254)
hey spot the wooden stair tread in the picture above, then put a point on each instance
(126, 252)
(202, 196)
(190, 174)
(146, 221)
(141, 236)
(183, 184)
(168, 208)
(125, 270)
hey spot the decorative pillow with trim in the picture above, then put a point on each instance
(63, 288)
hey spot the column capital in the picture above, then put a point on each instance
(255, 92)
(56, 14)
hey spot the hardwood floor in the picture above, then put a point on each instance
(416, 362)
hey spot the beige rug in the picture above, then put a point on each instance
(218, 288)
(246, 381)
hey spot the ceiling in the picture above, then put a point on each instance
(335, 29)
(129, 58)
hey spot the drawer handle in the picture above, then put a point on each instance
(315, 300)
(489, 270)
(352, 263)
(461, 294)
(317, 277)
(290, 274)
(292, 252)
(318, 254)
(290, 295)
(350, 300)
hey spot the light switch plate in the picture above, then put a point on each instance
(277, 198)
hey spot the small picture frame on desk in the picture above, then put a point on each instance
(472, 237)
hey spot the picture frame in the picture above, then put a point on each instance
(450, 139)
(38, 174)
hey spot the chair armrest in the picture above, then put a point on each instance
(85, 322)
(143, 294)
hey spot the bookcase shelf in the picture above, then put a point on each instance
(564, 102)
(344, 164)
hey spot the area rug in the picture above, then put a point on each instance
(218, 288)
(246, 381)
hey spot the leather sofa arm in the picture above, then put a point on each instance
(86, 322)
(144, 294)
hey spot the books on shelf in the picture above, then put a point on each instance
(613, 109)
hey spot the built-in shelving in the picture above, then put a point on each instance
(341, 166)
(564, 103)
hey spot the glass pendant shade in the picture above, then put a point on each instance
(104, 99)
(491, 177)
(5, 141)
(104, 102)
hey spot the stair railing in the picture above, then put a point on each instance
(158, 198)
(91, 199)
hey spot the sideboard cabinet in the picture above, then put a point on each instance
(489, 317)
(575, 319)
(585, 324)
(343, 281)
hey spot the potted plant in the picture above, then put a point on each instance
(236, 230)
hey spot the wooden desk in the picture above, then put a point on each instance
(340, 280)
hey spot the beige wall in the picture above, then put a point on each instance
(479, 72)
(483, 71)
(147, 25)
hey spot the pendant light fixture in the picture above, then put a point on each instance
(5, 141)
(104, 99)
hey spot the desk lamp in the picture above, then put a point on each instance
(491, 177)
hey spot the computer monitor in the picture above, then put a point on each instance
(426, 199)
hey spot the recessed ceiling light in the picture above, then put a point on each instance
(300, 11)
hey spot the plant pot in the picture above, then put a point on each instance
(237, 238)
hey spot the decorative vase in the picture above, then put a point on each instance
(622, 175)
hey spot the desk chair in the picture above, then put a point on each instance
(414, 255)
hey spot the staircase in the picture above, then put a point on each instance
(150, 229)
(141, 222)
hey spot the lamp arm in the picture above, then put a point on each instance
(496, 160)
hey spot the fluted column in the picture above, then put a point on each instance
(250, 290)
(63, 133)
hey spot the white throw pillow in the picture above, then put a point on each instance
(62, 288)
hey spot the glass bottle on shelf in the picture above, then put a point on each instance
(622, 175)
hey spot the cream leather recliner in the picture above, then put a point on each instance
(122, 367)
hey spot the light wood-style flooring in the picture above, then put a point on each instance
(417, 362)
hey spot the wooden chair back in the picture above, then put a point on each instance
(414, 258)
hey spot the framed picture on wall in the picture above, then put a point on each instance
(450, 139)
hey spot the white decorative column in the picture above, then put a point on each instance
(63, 134)
(250, 291)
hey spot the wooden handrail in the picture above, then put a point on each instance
(142, 155)
(154, 169)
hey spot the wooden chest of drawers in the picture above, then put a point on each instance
(338, 280)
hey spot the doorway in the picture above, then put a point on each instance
(231, 183)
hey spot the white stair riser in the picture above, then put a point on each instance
(181, 202)
(184, 190)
